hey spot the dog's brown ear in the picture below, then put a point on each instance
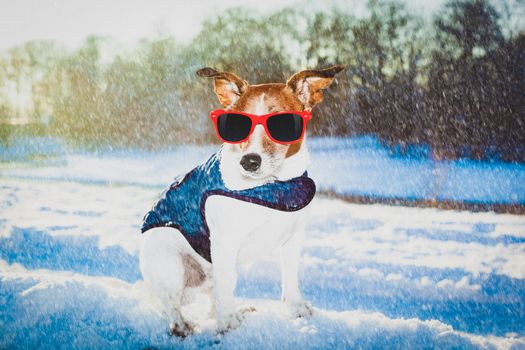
(228, 86)
(308, 85)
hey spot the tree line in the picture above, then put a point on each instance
(456, 83)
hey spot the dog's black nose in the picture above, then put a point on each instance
(251, 162)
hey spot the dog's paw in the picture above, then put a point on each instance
(247, 309)
(181, 328)
(229, 322)
(300, 309)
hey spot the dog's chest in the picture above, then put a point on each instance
(252, 230)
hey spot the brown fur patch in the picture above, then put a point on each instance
(228, 86)
(309, 84)
(243, 145)
(281, 96)
(194, 275)
(268, 145)
(293, 149)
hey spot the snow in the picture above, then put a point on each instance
(65, 310)
(361, 166)
(351, 166)
(380, 277)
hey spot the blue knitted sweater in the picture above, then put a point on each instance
(182, 205)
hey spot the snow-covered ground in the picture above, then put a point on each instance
(379, 277)
(354, 166)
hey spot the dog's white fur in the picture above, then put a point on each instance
(273, 167)
(240, 233)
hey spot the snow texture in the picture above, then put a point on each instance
(379, 277)
(352, 166)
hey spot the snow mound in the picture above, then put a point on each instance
(49, 309)
(380, 277)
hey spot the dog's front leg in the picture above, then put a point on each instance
(290, 260)
(226, 227)
(224, 252)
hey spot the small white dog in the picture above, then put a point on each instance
(255, 206)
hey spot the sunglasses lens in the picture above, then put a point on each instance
(233, 127)
(285, 127)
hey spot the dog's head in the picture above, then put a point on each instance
(260, 160)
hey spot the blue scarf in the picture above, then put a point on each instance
(182, 205)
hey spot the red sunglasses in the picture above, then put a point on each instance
(281, 127)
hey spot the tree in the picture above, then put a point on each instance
(463, 94)
(77, 96)
(468, 27)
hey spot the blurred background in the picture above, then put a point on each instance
(435, 81)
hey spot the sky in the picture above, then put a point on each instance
(70, 21)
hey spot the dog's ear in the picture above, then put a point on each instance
(308, 85)
(228, 86)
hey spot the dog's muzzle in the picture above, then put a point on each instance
(251, 162)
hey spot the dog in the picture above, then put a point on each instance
(237, 224)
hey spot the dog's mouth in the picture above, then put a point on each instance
(254, 175)
(251, 174)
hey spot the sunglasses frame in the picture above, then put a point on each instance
(260, 120)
